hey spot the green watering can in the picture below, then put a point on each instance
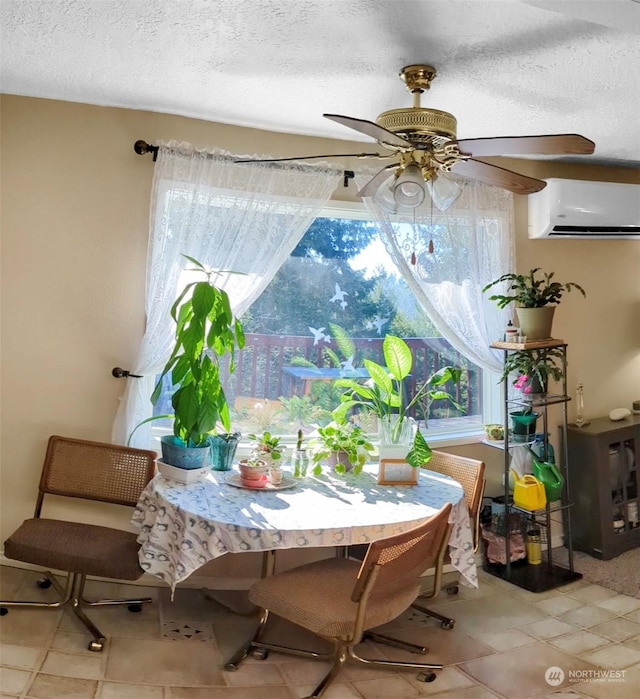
(549, 475)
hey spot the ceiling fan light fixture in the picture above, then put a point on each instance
(385, 200)
(409, 188)
(444, 192)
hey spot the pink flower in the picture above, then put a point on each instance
(520, 383)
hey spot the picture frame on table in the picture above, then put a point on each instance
(396, 472)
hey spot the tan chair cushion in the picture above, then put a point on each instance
(317, 596)
(76, 547)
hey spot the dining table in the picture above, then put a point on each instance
(181, 527)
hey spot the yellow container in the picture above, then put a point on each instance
(528, 492)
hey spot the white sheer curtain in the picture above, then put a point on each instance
(472, 245)
(241, 217)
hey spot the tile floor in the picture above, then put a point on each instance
(503, 642)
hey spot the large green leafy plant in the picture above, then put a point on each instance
(384, 393)
(531, 290)
(206, 331)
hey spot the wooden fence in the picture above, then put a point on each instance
(260, 368)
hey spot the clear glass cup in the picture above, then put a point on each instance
(276, 474)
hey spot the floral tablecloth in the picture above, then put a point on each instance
(182, 527)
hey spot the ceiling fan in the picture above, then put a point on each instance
(424, 146)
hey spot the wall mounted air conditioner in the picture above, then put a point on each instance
(583, 209)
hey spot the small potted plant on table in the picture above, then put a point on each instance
(267, 447)
(536, 297)
(342, 446)
(253, 472)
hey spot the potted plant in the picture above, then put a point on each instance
(384, 396)
(343, 445)
(531, 369)
(532, 291)
(206, 331)
(266, 447)
(253, 471)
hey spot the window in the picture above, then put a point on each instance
(326, 310)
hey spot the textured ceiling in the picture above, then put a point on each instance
(505, 67)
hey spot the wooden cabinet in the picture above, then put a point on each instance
(603, 468)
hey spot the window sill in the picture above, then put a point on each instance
(434, 439)
(455, 439)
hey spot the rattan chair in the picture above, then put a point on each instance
(338, 599)
(93, 471)
(470, 474)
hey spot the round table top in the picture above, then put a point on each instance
(183, 526)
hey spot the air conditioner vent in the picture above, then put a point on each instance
(584, 209)
(627, 230)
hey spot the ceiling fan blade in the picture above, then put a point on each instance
(369, 128)
(311, 157)
(498, 176)
(568, 143)
(374, 183)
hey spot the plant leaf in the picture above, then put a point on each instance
(397, 357)
(420, 452)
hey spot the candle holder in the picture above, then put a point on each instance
(580, 419)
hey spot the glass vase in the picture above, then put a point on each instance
(300, 463)
(396, 433)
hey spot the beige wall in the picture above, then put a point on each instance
(75, 202)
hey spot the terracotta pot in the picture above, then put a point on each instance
(254, 473)
(536, 323)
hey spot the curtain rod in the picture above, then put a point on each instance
(143, 148)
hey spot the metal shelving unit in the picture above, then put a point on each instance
(548, 574)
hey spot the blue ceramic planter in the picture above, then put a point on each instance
(176, 454)
(223, 449)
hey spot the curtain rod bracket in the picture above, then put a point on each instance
(119, 373)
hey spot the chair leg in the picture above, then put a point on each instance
(134, 604)
(446, 622)
(393, 663)
(394, 642)
(340, 658)
(73, 596)
(260, 648)
(234, 663)
(65, 594)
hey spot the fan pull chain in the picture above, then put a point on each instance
(431, 228)
(413, 252)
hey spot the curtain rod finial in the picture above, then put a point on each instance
(142, 148)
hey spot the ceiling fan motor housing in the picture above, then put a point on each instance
(420, 126)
